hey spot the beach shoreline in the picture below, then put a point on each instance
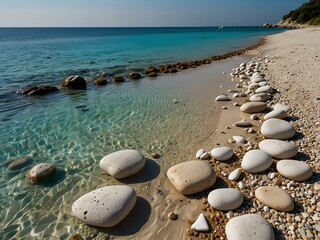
(288, 85)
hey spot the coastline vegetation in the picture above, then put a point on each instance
(308, 13)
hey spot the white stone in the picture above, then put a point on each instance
(242, 123)
(222, 153)
(261, 84)
(254, 117)
(105, 207)
(249, 227)
(294, 170)
(200, 152)
(235, 174)
(192, 176)
(275, 197)
(256, 161)
(264, 89)
(253, 86)
(222, 98)
(235, 95)
(253, 107)
(278, 148)
(122, 163)
(259, 97)
(280, 114)
(204, 156)
(277, 129)
(200, 224)
(238, 139)
(225, 199)
(284, 107)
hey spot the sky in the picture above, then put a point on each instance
(142, 13)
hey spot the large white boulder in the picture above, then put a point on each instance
(277, 129)
(253, 107)
(259, 97)
(278, 148)
(249, 227)
(225, 199)
(105, 207)
(275, 197)
(222, 153)
(294, 170)
(256, 161)
(122, 163)
(192, 176)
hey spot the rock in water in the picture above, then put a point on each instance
(275, 198)
(249, 227)
(256, 161)
(225, 199)
(18, 163)
(277, 129)
(278, 148)
(100, 81)
(75, 82)
(294, 170)
(123, 163)
(253, 107)
(105, 207)
(222, 153)
(222, 98)
(200, 224)
(41, 172)
(134, 76)
(192, 176)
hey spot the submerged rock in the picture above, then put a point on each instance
(41, 90)
(75, 82)
(123, 163)
(134, 76)
(118, 79)
(100, 81)
(106, 206)
(17, 163)
(41, 172)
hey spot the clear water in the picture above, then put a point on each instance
(75, 129)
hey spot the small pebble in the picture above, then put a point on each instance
(173, 216)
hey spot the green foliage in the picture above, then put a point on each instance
(308, 13)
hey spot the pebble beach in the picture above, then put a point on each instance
(249, 170)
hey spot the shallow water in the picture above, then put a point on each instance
(75, 129)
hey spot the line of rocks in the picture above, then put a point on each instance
(273, 195)
(80, 83)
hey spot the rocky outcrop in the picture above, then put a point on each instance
(74, 82)
(291, 24)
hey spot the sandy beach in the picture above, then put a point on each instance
(292, 69)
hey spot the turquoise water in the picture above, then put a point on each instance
(75, 129)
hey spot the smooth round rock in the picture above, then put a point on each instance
(249, 227)
(294, 170)
(264, 89)
(259, 97)
(200, 152)
(222, 153)
(40, 172)
(253, 107)
(278, 148)
(192, 176)
(225, 199)
(105, 207)
(18, 163)
(235, 174)
(122, 163)
(204, 156)
(275, 197)
(256, 161)
(280, 114)
(222, 98)
(281, 106)
(277, 129)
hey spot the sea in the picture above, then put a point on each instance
(74, 129)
